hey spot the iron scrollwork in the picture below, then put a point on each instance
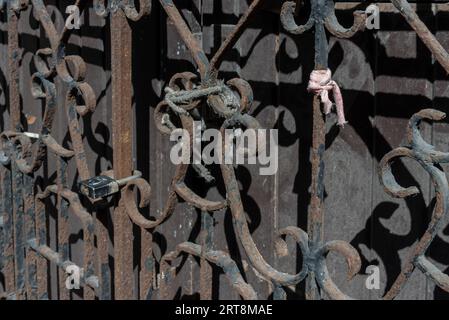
(429, 159)
(24, 153)
(187, 95)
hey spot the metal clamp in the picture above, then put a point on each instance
(103, 186)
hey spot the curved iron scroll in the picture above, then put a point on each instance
(187, 96)
(24, 153)
(234, 114)
(429, 158)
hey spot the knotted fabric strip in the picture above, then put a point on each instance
(320, 83)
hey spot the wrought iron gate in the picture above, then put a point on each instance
(70, 202)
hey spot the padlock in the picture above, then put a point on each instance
(103, 186)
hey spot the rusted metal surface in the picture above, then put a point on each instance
(122, 144)
(61, 258)
(429, 158)
(209, 95)
(27, 152)
(322, 16)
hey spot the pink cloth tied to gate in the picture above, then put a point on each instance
(320, 83)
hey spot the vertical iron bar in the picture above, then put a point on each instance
(30, 229)
(316, 216)
(207, 224)
(19, 235)
(14, 56)
(89, 244)
(8, 244)
(103, 270)
(63, 226)
(146, 264)
(122, 142)
(42, 263)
